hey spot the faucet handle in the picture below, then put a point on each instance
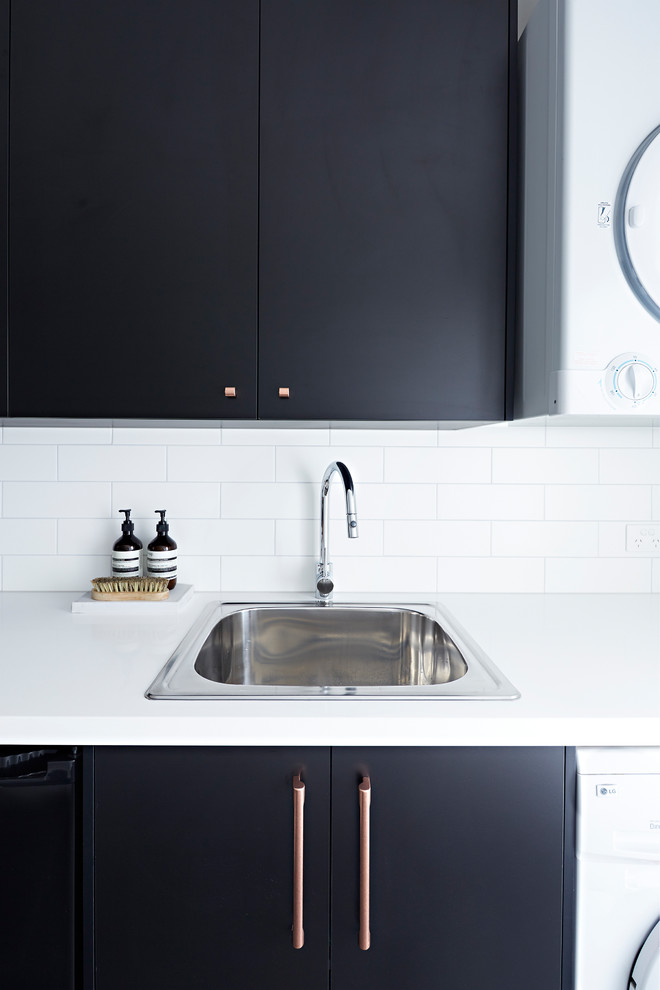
(324, 583)
(325, 587)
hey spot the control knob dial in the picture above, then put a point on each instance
(630, 380)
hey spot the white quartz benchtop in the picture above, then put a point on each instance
(587, 667)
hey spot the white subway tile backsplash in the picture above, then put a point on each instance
(597, 502)
(545, 539)
(440, 465)
(490, 574)
(217, 537)
(383, 438)
(36, 463)
(98, 463)
(490, 501)
(301, 537)
(55, 499)
(413, 538)
(270, 501)
(166, 437)
(545, 466)
(57, 572)
(527, 506)
(92, 536)
(630, 467)
(612, 539)
(264, 574)
(204, 573)
(598, 575)
(408, 575)
(37, 536)
(185, 500)
(608, 436)
(494, 435)
(275, 437)
(309, 463)
(53, 435)
(395, 502)
(221, 463)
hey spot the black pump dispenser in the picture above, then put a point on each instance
(126, 551)
(128, 525)
(162, 527)
(161, 553)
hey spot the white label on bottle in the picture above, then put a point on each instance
(125, 563)
(161, 564)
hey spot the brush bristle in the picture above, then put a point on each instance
(143, 584)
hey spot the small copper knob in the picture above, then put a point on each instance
(230, 392)
(283, 393)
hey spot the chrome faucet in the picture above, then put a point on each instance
(324, 582)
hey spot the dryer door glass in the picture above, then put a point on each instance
(637, 223)
(646, 971)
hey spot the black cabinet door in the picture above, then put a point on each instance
(466, 868)
(384, 204)
(193, 868)
(133, 208)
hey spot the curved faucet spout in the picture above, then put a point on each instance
(324, 583)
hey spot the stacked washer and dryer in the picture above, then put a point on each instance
(618, 869)
(589, 314)
(589, 343)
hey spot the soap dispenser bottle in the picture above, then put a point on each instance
(127, 550)
(161, 553)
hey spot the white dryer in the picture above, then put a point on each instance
(590, 251)
(618, 869)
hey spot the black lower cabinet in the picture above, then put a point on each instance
(466, 868)
(193, 881)
(194, 868)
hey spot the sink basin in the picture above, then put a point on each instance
(301, 649)
(329, 647)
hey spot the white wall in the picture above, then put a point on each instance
(522, 507)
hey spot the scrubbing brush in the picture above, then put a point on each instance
(108, 589)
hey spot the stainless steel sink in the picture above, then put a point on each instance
(301, 649)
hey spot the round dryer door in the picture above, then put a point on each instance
(646, 971)
(637, 223)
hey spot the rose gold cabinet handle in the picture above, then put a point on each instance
(298, 822)
(364, 792)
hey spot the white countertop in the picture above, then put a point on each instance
(587, 668)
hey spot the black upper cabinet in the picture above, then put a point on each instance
(133, 208)
(337, 169)
(384, 203)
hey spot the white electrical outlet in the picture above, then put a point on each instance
(643, 538)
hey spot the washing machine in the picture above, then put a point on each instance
(618, 869)
(590, 233)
